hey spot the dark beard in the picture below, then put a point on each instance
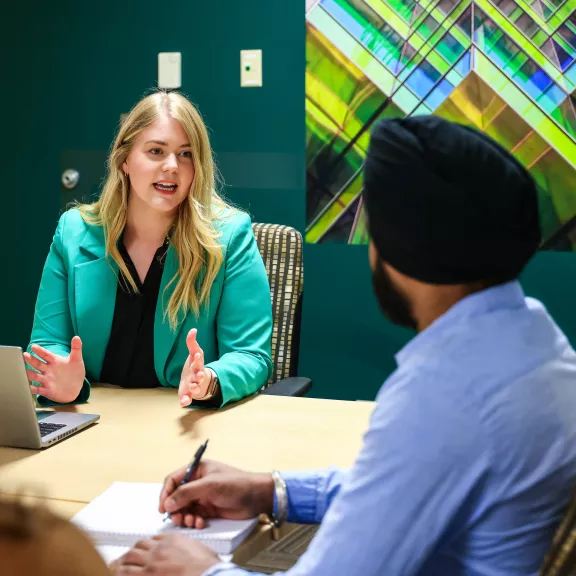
(392, 303)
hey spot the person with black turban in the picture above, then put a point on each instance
(446, 206)
(470, 457)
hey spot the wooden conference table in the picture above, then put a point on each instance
(143, 435)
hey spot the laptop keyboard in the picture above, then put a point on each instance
(48, 428)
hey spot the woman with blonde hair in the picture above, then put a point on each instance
(159, 282)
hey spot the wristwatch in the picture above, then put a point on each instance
(213, 387)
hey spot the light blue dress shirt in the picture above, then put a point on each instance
(470, 457)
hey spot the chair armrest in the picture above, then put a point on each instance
(296, 386)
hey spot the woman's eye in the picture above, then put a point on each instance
(155, 151)
(187, 154)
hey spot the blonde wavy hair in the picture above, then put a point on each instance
(194, 235)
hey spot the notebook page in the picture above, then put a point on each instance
(111, 553)
(128, 511)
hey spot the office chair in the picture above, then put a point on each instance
(281, 250)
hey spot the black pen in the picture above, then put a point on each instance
(190, 471)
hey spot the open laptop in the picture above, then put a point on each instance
(21, 425)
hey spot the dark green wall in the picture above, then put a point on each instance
(347, 347)
(29, 161)
(71, 73)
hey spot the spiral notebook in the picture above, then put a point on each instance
(128, 511)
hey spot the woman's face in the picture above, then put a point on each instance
(160, 165)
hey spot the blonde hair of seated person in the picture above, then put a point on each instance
(194, 234)
(36, 542)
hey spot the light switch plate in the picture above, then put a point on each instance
(169, 70)
(250, 68)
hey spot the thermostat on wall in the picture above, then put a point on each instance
(169, 70)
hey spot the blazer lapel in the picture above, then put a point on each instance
(95, 284)
(164, 336)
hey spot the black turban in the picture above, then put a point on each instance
(446, 204)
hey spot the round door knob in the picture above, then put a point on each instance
(70, 178)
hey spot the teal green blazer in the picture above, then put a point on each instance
(78, 292)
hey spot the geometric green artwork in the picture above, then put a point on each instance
(506, 67)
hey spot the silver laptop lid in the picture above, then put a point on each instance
(18, 422)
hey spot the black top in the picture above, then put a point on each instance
(129, 358)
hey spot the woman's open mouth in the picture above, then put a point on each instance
(165, 187)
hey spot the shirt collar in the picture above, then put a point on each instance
(504, 296)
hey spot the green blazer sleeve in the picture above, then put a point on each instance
(52, 328)
(244, 318)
